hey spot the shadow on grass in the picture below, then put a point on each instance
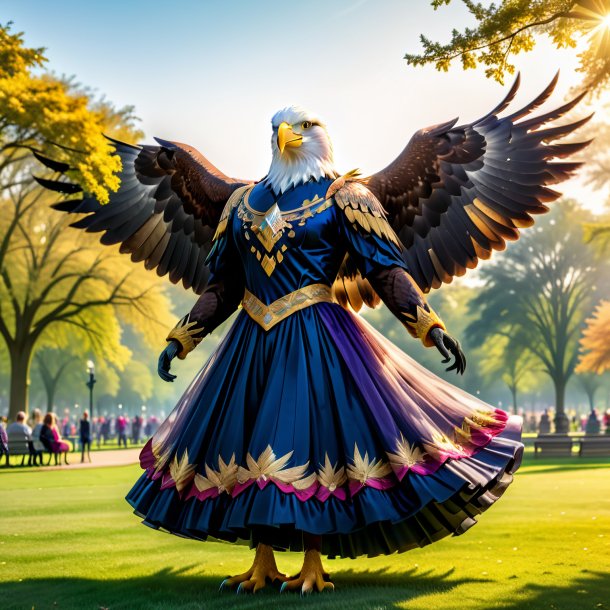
(175, 590)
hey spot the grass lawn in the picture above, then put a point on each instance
(69, 540)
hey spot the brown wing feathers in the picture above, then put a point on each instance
(455, 194)
(165, 212)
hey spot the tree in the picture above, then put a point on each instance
(507, 357)
(511, 27)
(590, 383)
(57, 285)
(41, 112)
(545, 283)
(53, 364)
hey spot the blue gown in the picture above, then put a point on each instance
(318, 423)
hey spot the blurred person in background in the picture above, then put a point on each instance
(85, 437)
(36, 430)
(3, 440)
(51, 438)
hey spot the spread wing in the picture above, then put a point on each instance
(165, 212)
(455, 194)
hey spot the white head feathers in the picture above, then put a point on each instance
(312, 159)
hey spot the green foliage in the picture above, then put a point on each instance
(59, 288)
(539, 294)
(40, 111)
(512, 27)
(503, 356)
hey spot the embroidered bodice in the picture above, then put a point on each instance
(299, 238)
(276, 255)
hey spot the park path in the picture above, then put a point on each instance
(110, 457)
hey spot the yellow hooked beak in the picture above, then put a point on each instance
(287, 138)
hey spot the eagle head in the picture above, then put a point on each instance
(301, 149)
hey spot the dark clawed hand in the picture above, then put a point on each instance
(449, 347)
(165, 359)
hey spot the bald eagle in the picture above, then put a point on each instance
(307, 429)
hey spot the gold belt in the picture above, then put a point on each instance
(269, 315)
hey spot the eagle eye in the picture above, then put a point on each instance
(306, 124)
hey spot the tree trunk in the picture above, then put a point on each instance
(513, 392)
(562, 423)
(20, 380)
(50, 388)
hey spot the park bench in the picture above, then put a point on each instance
(553, 445)
(19, 444)
(594, 445)
(57, 454)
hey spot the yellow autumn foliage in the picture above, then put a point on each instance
(41, 111)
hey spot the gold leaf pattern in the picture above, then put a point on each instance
(330, 476)
(223, 479)
(306, 482)
(406, 454)
(181, 471)
(364, 469)
(161, 456)
(442, 444)
(463, 434)
(482, 419)
(269, 467)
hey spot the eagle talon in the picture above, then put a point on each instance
(263, 571)
(312, 577)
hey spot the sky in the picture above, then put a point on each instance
(212, 74)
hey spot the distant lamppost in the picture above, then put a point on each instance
(90, 384)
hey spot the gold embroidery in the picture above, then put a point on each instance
(233, 200)
(161, 456)
(268, 264)
(477, 419)
(269, 227)
(463, 435)
(295, 213)
(184, 332)
(330, 476)
(181, 471)
(482, 419)
(269, 315)
(442, 444)
(268, 467)
(223, 480)
(406, 454)
(364, 469)
(425, 322)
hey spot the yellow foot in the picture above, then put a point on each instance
(312, 576)
(263, 571)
